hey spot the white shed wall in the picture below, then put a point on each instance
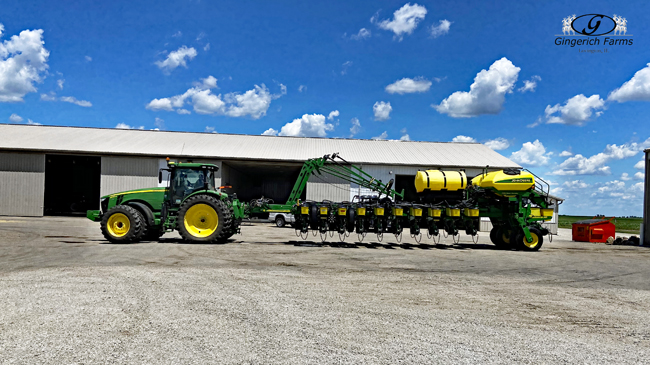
(22, 184)
(128, 173)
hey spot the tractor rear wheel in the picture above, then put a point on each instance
(122, 224)
(204, 218)
(535, 245)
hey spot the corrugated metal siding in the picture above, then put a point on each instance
(321, 187)
(245, 147)
(22, 184)
(128, 173)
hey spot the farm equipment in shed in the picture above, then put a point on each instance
(448, 202)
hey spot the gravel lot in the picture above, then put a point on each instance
(66, 296)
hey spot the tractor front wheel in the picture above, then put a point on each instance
(122, 224)
(204, 218)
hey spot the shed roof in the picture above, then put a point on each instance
(244, 147)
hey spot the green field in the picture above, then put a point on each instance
(623, 225)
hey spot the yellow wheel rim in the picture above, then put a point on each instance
(505, 237)
(532, 244)
(201, 220)
(118, 225)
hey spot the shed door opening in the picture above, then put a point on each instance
(71, 184)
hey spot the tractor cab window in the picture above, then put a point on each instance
(186, 181)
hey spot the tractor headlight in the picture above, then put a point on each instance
(104, 205)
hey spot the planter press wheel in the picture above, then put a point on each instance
(418, 238)
(297, 232)
(398, 237)
(444, 233)
(331, 234)
(361, 236)
(550, 237)
(429, 235)
(380, 236)
(456, 240)
(342, 237)
(436, 241)
(475, 240)
(323, 236)
(314, 232)
(306, 235)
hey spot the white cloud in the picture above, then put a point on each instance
(333, 114)
(270, 132)
(497, 144)
(253, 103)
(640, 165)
(200, 36)
(126, 126)
(639, 176)
(363, 34)
(405, 20)
(625, 177)
(177, 34)
(405, 137)
(31, 122)
(635, 89)
(177, 58)
(406, 86)
(68, 99)
(210, 130)
(595, 165)
(60, 83)
(73, 100)
(356, 127)
(15, 118)
(23, 63)
(530, 85)
(440, 29)
(206, 47)
(463, 139)
(156, 104)
(382, 110)
(486, 95)
(566, 154)
(531, 154)
(576, 111)
(88, 58)
(345, 67)
(309, 125)
(302, 88)
(48, 97)
(160, 123)
(382, 136)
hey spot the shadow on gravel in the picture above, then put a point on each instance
(391, 245)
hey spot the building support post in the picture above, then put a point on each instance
(646, 201)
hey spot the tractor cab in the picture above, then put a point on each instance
(186, 179)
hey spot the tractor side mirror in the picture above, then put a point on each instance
(160, 176)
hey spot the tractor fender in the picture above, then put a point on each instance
(216, 194)
(145, 210)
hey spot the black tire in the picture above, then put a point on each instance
(279, 221)
(350, 219)
(538, 240)
(494, 236)
(200, 225)
(153, 234)
(502, 237)
(122, 224)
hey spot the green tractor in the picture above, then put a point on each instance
(191, 203)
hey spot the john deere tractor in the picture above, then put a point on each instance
(191, 204)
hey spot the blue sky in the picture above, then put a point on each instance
(424, 71)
